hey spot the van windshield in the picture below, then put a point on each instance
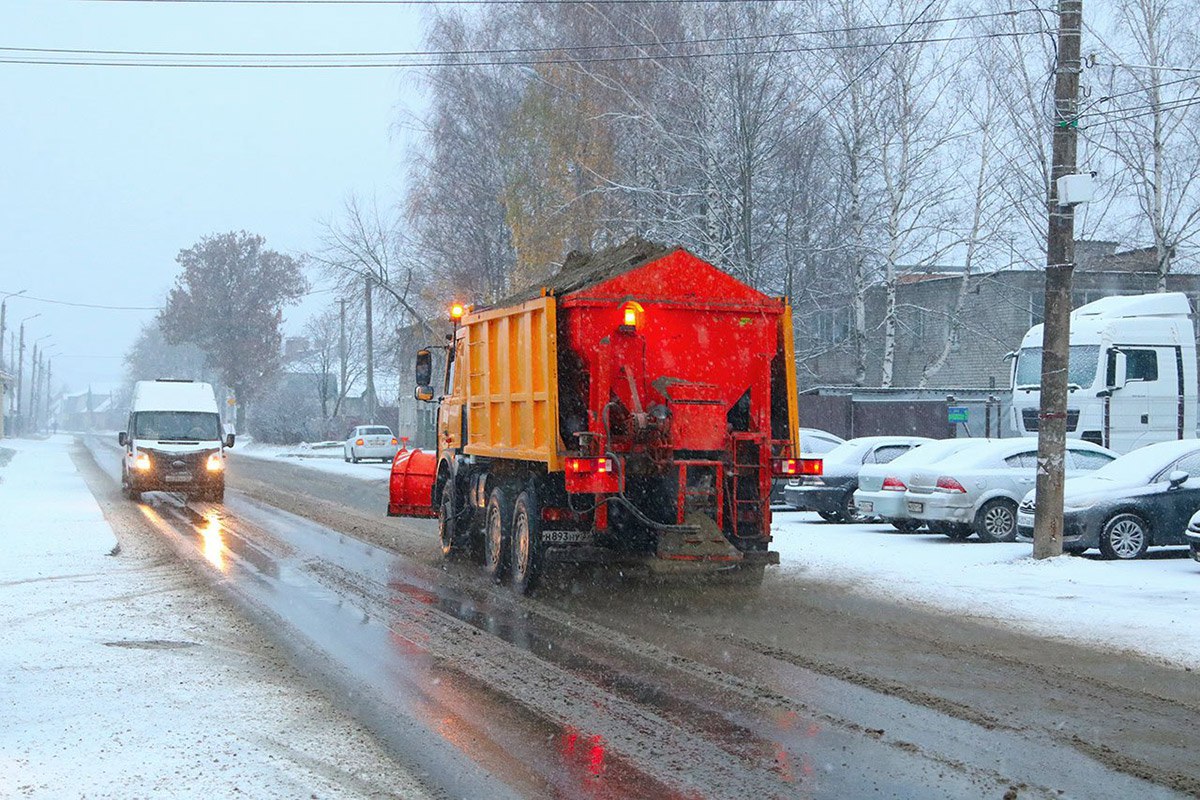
(175, 426)
(1082, 363)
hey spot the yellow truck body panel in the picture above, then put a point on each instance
(511, 373)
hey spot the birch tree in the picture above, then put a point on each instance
(1150, 121)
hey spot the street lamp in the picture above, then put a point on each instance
(3, 316)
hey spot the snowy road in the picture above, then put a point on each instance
(610, 687)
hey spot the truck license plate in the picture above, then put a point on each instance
(567, 537)
(181, 478)
(916, 508)
(866, 507)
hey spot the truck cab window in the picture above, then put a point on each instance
(1141, 365)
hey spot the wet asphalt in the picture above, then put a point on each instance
(600, 686)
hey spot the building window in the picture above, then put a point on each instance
(1037, 308)
(833, 327)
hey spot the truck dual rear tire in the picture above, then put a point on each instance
(497, 527)
(526, 560)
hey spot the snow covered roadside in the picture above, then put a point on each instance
(323, 459)
(1145, 607)
(127, 676)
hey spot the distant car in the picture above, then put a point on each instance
(1146, 497)
(813, 442)
(370, 441)
(1193, 535)
(881, 487)
(832, 494)
(978, 490)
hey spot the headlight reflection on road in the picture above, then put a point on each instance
(214, 543)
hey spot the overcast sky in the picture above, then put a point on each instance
(107, 172)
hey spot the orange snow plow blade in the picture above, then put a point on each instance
(411, 491)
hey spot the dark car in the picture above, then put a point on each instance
(1142, 499)
(813, 442)
(832, 494)
(1193, 535)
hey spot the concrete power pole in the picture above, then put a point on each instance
(342, 354)
(369, 396)
(1060, 258)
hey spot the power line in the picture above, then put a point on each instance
(101, 62)
(1174, 105)
(503, 51)
(87, 305)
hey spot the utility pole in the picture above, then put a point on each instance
(369, 396)
(1060, 258)
(342, 355)
(4, 321)
(31, 417)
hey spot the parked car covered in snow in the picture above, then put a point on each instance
(1142, 499)
(813, 442)
(370, 441)
(881, 487)
(978, 490)
(832, 494)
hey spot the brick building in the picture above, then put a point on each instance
(999, 307)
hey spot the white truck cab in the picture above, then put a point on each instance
(1131, 372)
(173, 441)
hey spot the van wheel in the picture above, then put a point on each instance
(1125, 537)
(497, 528)
(127, 490)
(997, 521)
(526, 561)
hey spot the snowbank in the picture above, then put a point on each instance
(322, 456)
(1146, 607)
(126, 677)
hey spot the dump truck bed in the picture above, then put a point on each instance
(512, 382)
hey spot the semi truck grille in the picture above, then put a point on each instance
(1029, 418)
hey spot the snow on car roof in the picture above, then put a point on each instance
(1145, 462)
(166, 395)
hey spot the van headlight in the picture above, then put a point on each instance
(216, 462)
(142, 462)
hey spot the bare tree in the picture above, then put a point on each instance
(1149, 121)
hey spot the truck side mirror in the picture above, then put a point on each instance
(424, 368)
(229, 440)
(1116, 372)
(1177, 478)
(123, 438)
(423, 393)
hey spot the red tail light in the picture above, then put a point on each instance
(784, 466)
(812, 466)
(394, 441)
(948, 484)
(891, 484)
(585, 466)
(358, 442)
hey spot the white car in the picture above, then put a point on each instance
(370, 441)
(977, 490)
(881, 487)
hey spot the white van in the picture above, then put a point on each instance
(1131, 372)
(173, 441)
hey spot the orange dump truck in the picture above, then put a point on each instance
(635, 407)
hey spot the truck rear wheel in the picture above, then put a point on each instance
(454, 538)
(526, 561)
(497, 528)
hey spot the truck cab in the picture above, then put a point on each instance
(1131, 372)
